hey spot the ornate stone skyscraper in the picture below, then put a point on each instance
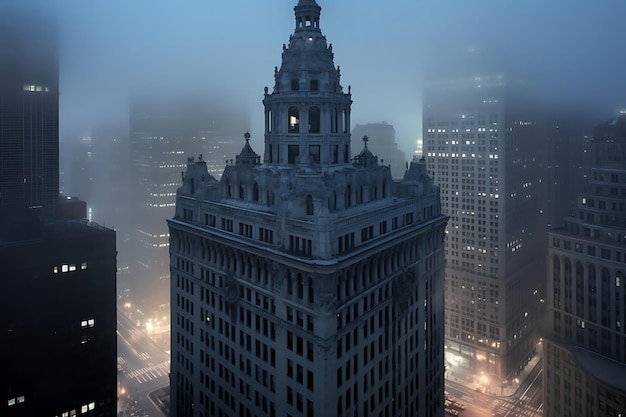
(309, 284)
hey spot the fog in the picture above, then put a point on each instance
(114, 51)
(573, 51)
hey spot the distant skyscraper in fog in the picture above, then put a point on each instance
(585, 347)
(382, 143)
(57, 271)
(162, 131)
(29, 113)
(481, 146)
(310, 284)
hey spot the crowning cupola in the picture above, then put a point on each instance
(307, 115)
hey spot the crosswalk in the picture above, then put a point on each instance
(145, 356)
(149, 373)
(121, 360)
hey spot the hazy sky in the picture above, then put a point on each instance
(574, 49)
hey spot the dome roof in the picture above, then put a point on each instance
(307, 57)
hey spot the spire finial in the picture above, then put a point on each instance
(365, 140)
(247, 137)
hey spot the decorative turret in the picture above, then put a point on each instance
(247, 156)
(307, 116)
(307, 15)
(366, 158)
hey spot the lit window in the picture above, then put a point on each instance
(11, 402)
(83, 324)
(91, 322)
(617, 283)
(55, 269)
(72, 268)
(20, 399)
(92, 405)
(83, 265)
(84, 409)
(64, 268)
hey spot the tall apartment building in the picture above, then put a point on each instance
(57, 271)
(382, 143)
(585, 349)
(309, 284)
(481, 147)
(162, 131)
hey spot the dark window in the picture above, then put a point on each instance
(309, 205)
(293, 151)
(314, 153)
(314, 120)
(314, 85)
(295, 85)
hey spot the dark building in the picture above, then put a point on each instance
(57, 270)
(585, 345)
(29, 113)
(58, 321)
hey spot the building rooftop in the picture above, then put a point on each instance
(608, 371)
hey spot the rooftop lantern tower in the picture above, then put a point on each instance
(307, 115)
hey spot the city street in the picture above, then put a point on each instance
(145, 367)
(525, 402)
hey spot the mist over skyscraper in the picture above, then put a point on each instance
(291, 245)
(482, 147)
(57, 285)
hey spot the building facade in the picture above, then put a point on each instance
(309, 284)
(585, 349)
(481, 147)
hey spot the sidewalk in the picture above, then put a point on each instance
(482, 384)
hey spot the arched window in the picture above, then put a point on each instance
(556, 279)
(314, 120)
(255, 192)
(294, 120)
(591, 290)
(580, 289)
(567, 285)
(309, 205)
